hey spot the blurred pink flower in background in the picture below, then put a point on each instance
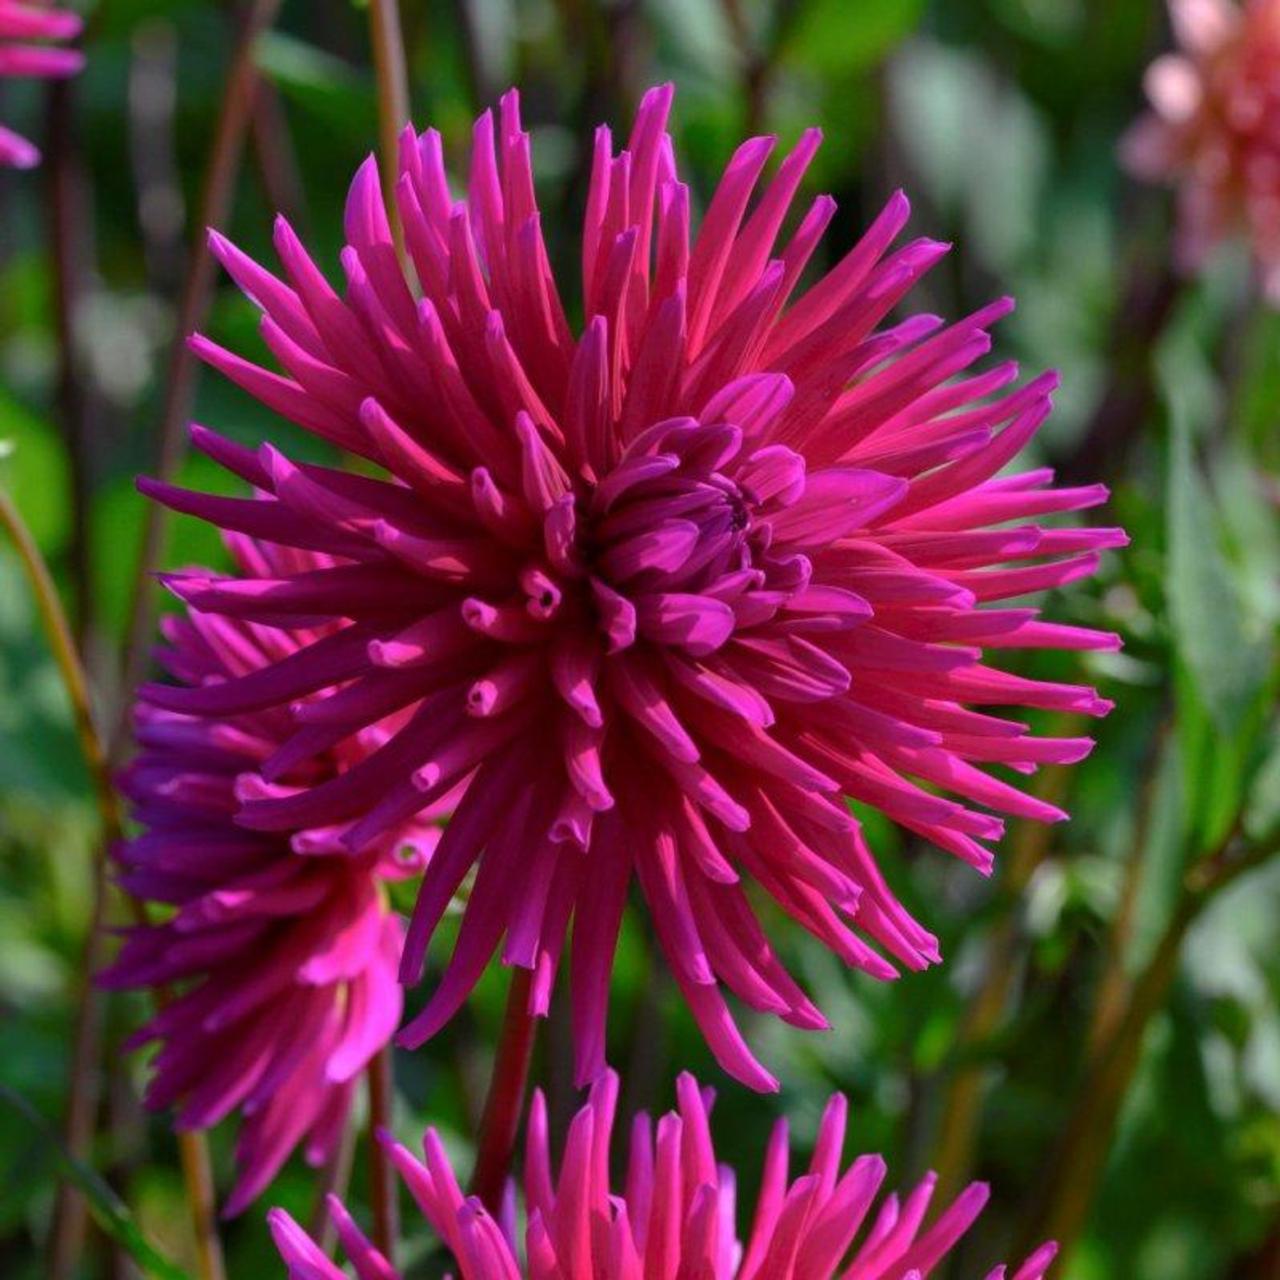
(1214, 129)
(675, 1214)
(24, 27)
(657, 597)
(282, 945)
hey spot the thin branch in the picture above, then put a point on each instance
(197, 1175)
(86, 1054)
(392, 71)
(333, 1181)
(961, 1110)
(278, 157)
(1114, 984)
(1063, 1210)
(69, 235)
(215, 204)
(382, 1174)
(505, 1100)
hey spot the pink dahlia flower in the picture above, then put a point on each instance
(1214, 129)
(657, 597)
(21, 23)
(675, 1214)
(282, 943)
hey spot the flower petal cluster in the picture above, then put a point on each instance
(26, 29)
(675, 1215)
(282, 944)
(654, 598)
(1213, 129)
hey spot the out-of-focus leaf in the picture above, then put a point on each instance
(109, 1211)
(978, 148)
(842, 37)
(316, 79)
(33, 466)
(1254, 533)
(1226, 658)
(1262, 814)
(1163, 861)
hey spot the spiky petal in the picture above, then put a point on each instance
(674, 1214)
(281, 948)
(660, 596)
(29, 30)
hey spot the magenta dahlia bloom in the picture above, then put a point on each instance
(282, 943)
(675, 1214)
(25, 26)
(657, 597)
(1214, 129)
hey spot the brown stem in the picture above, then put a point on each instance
(382, 1175)
(277, 157)
(392, 72)
(215, 204)
(1113, 985)
(82, 1100)
(197, 1174)
(67, 196)
(501, 1119)
(333, 1180)
(67, 1224)
(961, 1110)
(1063, 1209)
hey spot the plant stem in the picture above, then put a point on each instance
(197, 1175)
(1063, 1210)
(223, 167)
(68, 1219)
(69, 235)
(505, 1100)
(333, 1180)
(1113, 985)
(382, 1175)
(961, 1109)
(58, 631)
(391, 68)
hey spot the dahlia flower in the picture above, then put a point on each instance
(282, 942)
(656, 597)
(1214, 129)
(675, 1215)
(22, 21)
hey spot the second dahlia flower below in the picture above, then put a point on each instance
(27, 30)
(656, 599)
(281, 946)
(674, 1214)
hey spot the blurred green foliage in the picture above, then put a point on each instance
(1001, 118)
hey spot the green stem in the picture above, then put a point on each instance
(966, 1091)
(87, 1042)
(1063, 1210)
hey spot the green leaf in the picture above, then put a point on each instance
(327, 85)
(844, 37)
(109, 1211)
(1226, 658)
(35, 469)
